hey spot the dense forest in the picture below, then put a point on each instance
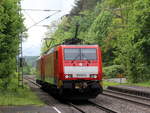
(30, 65)
(120, 27)
(11, 26)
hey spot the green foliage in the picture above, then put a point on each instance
(143, 84)
(11, 25)
(82, 5)
(100, 27)
(31, 60)
(30, 67)
(134, 44)
(100, 31)
(120, 27)
(106, 84)
(112, 71)
(29, 70)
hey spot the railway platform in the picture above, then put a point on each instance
(27, 109)
(134, 90)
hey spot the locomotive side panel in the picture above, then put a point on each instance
(100, 62)
(60, 63)
(56, 67)
(49, 68)
(38, 68)
(42, 68)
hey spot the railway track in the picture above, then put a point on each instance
(107, 110)
(32, 81)
(121, 96)
(128, 97)
(76, 107)
(102, 108)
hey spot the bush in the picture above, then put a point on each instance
(29, 70)
(112, 71)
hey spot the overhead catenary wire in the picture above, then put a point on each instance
(29, 16)
(42, 20)
(36, 23)
(39, 10)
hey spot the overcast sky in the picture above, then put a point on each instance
(31, 46)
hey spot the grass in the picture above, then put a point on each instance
(20, 97)
(15, 95)
(143, 84)
(106, 83)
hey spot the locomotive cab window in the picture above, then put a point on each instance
(72, 53)
(80, 54)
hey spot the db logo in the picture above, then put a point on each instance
(80, 64)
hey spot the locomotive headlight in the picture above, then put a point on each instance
(68, 76)
(93, 76)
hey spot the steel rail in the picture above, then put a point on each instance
(125, 94)
(76, 107)
(102, 107)
(126, 99)
(29, 79)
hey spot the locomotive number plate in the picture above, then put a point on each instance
(82, 75)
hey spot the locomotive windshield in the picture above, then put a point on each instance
(80, 54)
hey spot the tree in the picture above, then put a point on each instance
(134, 43)
(82, 5)
(11, 26)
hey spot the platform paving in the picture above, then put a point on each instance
(117, 80)
(136, 90)
(27, 109)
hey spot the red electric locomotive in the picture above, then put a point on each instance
(71, 71)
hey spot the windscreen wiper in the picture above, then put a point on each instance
(84, 56)
(77, 57)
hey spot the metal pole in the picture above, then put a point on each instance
(20, 68)
(21, 62)
(76, 32)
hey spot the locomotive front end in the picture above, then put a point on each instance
(82, 72)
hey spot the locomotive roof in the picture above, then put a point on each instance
(53, 49)
(79, 45)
